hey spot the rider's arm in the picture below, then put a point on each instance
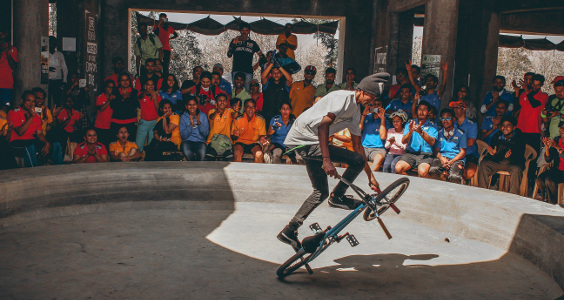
(323, 134)
(357, 146)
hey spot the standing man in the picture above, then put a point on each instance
(302, 92)
(329, 85)
(430, 93)
(276, 89)
(498, 93)
(8, 61)
(337, 111)
(553, 114)
(242, 49)
(57, 73)
(532, 102)
(289, 40)
(146, 46)
(163, 31)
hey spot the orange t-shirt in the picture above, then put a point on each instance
(249, 130)
(220, 124)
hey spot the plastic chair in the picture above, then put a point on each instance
(530, 154)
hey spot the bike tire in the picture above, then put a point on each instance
(292, 264)
(396, 189)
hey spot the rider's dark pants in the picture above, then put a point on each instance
(314, 162)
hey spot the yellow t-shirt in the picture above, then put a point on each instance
(249, 131)
(301, 97)
(116, 148)
(220, 124)
(2, 123)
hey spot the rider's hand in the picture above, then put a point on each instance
(329, 168)
(373, 184)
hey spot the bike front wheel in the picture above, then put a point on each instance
(292, 264)
(392, 193)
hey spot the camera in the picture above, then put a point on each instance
(203, 98)
(374, 110)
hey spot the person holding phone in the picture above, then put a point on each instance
(163, 30)
(373, 128)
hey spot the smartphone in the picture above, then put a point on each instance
(38, 110)
(165, 20)
(374, 110)
(82, 83)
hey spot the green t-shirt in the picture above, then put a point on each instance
(322, 90)
(558, 105)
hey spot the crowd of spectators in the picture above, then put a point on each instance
(153, 117)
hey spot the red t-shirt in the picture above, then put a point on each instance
(103, 118)
(148, 111)
(82, 151)
(164, 36)
(561, 164)
(529, 117)
(259, 101)
(16, 117)
(63, 116)
(6, 77)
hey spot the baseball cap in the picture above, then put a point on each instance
(457, 103)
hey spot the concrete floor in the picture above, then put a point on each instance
(206, 250)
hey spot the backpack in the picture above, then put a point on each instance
(151, 38)
(220, 143)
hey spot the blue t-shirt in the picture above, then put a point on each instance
(281, 132)
(371, 132)
(471, 130)
(417, 144)
(450, 148)
(433, 99)
(225, 86)
(396, 104)
(505, 96)
(488, 125)
(174, 97)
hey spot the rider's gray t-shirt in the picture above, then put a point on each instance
(347, 115)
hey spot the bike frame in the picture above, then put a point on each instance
(332, 234)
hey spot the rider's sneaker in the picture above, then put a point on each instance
(344, 202)
(290, 237)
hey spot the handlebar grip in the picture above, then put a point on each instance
(385, 229)
(395, 208)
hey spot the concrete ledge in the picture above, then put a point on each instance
(528, 228)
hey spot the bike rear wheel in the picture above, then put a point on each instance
(292, 264)
(392, 193)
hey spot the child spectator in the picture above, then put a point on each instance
(394, 141)
(373, 128)
(278, 130)
(163, 31)
(490, 126)
(221, 123)
(90, 151)
(419, 135)
(26, 129)
(506, 153)
(149, 103)
(104, 113)
(124, 108)
(248, 129)
(450, 149)
(170, 91)
(194, 129)
(548, 181)
(166, 133)
(123, 149)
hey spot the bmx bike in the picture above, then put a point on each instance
(373, 207)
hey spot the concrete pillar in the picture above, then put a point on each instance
(114, 21)
(477, 47)
(357, 37)
(400, 40)
(439, 36)
(31, 22)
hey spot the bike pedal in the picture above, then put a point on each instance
(315, 227)
(352, 240)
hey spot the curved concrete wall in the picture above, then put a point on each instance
(531, 229)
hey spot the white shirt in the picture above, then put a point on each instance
(57, 61)
(341, 103)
